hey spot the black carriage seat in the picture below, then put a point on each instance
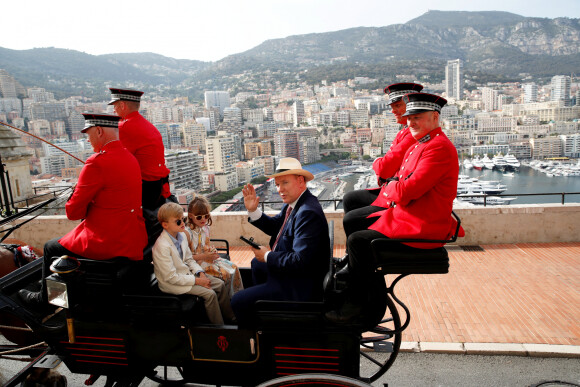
(309, 315)
(411, 260)
(155, 305)
(152, 303)
(415, 261)
(132, 287)
(223, 249)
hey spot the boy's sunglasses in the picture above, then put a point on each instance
(200, 217)
(178, 222)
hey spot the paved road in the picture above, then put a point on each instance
(421, 369)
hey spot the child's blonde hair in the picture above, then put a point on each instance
(199, 205)
(169, 210)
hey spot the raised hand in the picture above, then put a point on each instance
(251, 201)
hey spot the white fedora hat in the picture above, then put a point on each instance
(291, 166)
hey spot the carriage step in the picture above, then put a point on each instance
(48, 361)
(375, 339)
(382, 330)
(383, 346)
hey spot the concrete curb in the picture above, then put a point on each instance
(496, 349)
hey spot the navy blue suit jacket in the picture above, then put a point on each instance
(296, 270)
(301, 258)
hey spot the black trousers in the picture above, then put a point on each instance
(52, 249)
(359, 198)
(151, 193)
(361, 261)
(357, 208)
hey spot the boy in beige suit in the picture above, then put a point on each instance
(178, 273)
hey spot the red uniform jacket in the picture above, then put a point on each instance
(387, 165)
(144, 141)
(108, 198)
(422, 200)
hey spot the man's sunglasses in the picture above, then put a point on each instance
(200, 217)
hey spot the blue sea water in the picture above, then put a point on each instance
(528, 180)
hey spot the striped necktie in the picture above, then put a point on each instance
(288, 211)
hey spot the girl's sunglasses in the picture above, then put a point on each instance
(200, 217)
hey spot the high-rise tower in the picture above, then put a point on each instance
(561, 89)
(219, 99)
(454, 79)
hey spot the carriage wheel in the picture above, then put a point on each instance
(381, 344)
(314, 380)
(168, 376)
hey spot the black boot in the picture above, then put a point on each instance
(32, 299)
(348, 312)
(341, 262)
(343, 274)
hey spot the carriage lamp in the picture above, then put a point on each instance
(64, 268)
(56, 284)
(57, 291)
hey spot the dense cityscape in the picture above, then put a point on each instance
(217, 144)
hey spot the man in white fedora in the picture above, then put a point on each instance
(294, 264)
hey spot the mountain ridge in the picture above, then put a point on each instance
(492, 42)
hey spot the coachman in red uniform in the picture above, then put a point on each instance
(358, 205)
(419, 200)
(107, 198)
(144, 141)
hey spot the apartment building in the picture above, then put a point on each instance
(286, 144)
(220, 152)
(194, 135)
(185, 167)
(546, 147)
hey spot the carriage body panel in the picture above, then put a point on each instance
(119, 334)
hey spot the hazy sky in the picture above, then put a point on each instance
(212, 29)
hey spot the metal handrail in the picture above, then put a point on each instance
(485, 196)
(336, 202)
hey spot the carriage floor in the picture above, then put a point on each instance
(525, 293)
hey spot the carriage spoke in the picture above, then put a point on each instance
(380, 345)
(369, 358)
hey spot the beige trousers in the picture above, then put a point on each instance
(216, 300)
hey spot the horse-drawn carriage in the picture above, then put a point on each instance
(103, 324)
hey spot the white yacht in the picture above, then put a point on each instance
(493, 200)
(512, 162)
(499, 162)
(477, 163)
(487, 162)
